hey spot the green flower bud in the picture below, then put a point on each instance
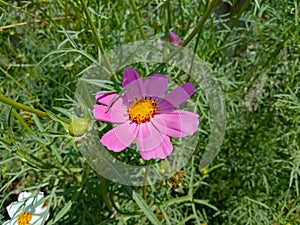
(78, 127)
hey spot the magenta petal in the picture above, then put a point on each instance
(174, 39)
(120, 137)
(161, 151)
(129, 75)
(116, 114)
(100, 113)
(156, 85)
(134, 85)
(176, 97)
(135, 91)
(149, 137)
(105, 98)
(179, 123)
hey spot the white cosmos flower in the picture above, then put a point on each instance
(28, 210)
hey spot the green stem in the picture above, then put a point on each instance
(21, 106)
(104, 194)
(195, 50)
(21, 86)
(196, 30)
(145, 178)
(97, 38)
(157, 192)
(199, 27)
(17, 8)
(240, 12)
(21, 120)
(138, 19)
(5, 141)
(236, 18)
(94, 30)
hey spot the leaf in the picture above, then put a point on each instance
(145, 208)
(105, 84)
(62, 212)
(33, 160)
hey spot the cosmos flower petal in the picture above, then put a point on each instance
(129, 76)
(24, 196)
(13, 208)
(176, 97)
(40, 209)
(26, 202)
(37, 219)
(161, 151)
(120, 137)
(105, 99)
(136, 91)
(179, 123)
(137, 120)
(11, 222)
(164, 106)
(38, 197)
(174, 39)
(134, 85)
(116, 114)
(156, 85)
(149, 137)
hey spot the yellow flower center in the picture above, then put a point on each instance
(24, 218)
(142, 110)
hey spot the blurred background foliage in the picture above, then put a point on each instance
(252, 48)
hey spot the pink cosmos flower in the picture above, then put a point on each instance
(145, 114)
(174, 39)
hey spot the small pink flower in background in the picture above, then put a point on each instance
(145, 114)
(26, 211)
(173, 38)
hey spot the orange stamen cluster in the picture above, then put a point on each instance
(24, 218)
(142, 110)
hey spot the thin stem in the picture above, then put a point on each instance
(195, 50)
(31, 22)
(15, 81)
(5, 141)
(17, 8)
(196, 30)
(236, 18)
(97, 38)
(94, 29)
(199, 27)
(138, 19)
(157, 191)
(240, 12)
(169, 10)
(21, 86)
(21, 120)
(145, 178)
(21, 106)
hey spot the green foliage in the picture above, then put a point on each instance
(253, 51)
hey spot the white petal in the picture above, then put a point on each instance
(33, 199)
(40, 209)
(23, 196)
(14, 208)
(7, 222)
(11, 222)
(36, 220)
(41, 212)
(39, 196)
(14, 221)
